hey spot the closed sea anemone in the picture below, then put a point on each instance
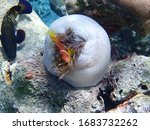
(77, 50)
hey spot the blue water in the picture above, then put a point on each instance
(42, 8)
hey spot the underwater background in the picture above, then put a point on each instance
(42, 8)
(126, 84)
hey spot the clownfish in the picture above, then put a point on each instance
(65, 53)
(9, 38)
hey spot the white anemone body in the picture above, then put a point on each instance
(94, 59)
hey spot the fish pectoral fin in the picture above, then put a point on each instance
(71, 52)
(26, 7)
(20, 36)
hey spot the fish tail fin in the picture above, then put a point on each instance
(20, 36)
(52, 35)
(26, 7)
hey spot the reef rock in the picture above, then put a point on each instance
(58, 6)
(139, 8)
(138, 104)
(134, 14)
(125, 81)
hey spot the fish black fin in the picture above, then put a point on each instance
(20, 36)
(26, 7)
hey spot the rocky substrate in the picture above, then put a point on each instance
(134, 14)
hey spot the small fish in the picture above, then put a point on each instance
(65, 56)
(8, 37)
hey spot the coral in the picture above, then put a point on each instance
(139, 8)
(134, 14)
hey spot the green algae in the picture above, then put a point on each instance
(22, 91)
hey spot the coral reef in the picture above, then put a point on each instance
(140, 8)
(124, 88)
(134, 14)
(125, 80)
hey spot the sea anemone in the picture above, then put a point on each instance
(91, 47)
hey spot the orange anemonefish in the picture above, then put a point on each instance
(65, 53)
